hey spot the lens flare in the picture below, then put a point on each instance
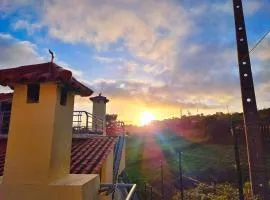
(146, 118)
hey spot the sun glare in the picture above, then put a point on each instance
(146, 118)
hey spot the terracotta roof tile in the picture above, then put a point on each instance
(87, 155)
(44, 72)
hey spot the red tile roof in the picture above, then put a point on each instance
(43, 72)
(6, 97)
(87, 155)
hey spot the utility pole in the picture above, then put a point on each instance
(181, 176)
(237, 162)
(162, 181)
(257, 169)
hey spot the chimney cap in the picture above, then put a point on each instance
(40, 73)
(99, 98)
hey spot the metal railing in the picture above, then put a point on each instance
(124, 178)
(4, 121)
(82, 123)
(263, 129)
(85, 122)
(115, 128)
(129, 189)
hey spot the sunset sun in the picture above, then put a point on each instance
(146, 118)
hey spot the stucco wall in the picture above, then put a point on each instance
(107, 169)
(71, 187)
(40, 137)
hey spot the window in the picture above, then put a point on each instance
(63, 97)
(33, 93)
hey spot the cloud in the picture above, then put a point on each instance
(30, 28)
(263, 51)
(250, 7)
(141, 28)
(128, 67)
(260, 59)
(107, 60)
(156, 94)
(15, 52)
(76, 73)
(157, 40)
(6, 36)
(162, 52)
(9, 6)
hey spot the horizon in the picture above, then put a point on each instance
(178, 57)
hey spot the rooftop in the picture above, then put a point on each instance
(44, 72)
(87, 154)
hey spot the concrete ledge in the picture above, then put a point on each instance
(71, 187)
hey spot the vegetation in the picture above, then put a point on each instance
(224, 191)
(207, 158)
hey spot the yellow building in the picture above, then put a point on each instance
(40, 153)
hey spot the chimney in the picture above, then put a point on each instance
(37, 162)
(99, 113)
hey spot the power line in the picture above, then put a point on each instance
(259, 41)
(257, 44)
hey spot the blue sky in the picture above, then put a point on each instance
(154, 55)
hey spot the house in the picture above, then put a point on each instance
(39, 157)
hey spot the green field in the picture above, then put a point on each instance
(201, 161)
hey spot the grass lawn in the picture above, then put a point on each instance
(202, 161)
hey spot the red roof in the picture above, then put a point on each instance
(6, 97)
(87, 155)
(43, 72)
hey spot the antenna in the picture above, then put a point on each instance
(102, 86)
(51, 55)
(228, 111)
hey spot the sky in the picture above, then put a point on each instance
(161, 56)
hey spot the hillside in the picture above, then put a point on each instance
(206, 143)
(209, 129)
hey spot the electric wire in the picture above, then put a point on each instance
(259, 42)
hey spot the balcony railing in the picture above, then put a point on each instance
(82, 123)
(86, 123)
(4, 122)
(127, 191)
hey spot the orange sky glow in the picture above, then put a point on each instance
(130, 111)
